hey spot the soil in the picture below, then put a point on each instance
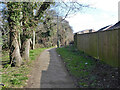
(106, 76)
(49, 72)
(101, 76)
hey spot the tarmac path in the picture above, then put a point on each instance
(49, 72)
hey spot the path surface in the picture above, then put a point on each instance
(49, 72)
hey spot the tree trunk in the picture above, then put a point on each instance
(15, 57)
(26, 49)
(33, 45)
(13, 21)
(19, 39)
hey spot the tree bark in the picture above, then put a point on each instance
(19, 40)
(26, 49)
(33, 45)
(13, 20)
(15, 57)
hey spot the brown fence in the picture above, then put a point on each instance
(103, 45)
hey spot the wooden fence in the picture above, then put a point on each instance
(103, 45)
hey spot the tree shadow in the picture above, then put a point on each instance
(55, 76)
(3, 63)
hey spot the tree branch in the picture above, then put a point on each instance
(66, 14)
(43, 7)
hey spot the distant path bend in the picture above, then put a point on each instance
(49, 72)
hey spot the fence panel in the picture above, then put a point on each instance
(108, 47)
(88, 43)
(103, 45)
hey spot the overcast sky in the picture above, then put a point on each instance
(105, 13)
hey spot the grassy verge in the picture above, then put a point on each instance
(87, 71)
(77, 64)
(16, 77)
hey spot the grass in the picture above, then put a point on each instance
(87, 71)
(35, 52)
(76, 61)
(17, 77)
(78, 64)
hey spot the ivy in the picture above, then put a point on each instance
(24, 12)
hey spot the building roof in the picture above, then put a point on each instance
(116, 26)
(88, 30)
(105, 28)
(85, 31)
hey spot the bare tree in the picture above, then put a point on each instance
(69, 8)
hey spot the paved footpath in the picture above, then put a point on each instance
(49, 72)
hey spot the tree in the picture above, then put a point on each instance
(47, 32)
(14, 26)
(30, 22)
(14, 20)
(27, 23)
(69, 8)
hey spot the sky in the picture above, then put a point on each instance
(105, 12)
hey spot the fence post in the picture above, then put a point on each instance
(75, 40)
(98, 45)
(118, 48)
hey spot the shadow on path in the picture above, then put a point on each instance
(55, 76)
(49, 72)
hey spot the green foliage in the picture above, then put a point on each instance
(6, 65)
(28, 19)
(17, 12)
(14, 9)
(23, 78)
(17, 74)
(15, 81)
